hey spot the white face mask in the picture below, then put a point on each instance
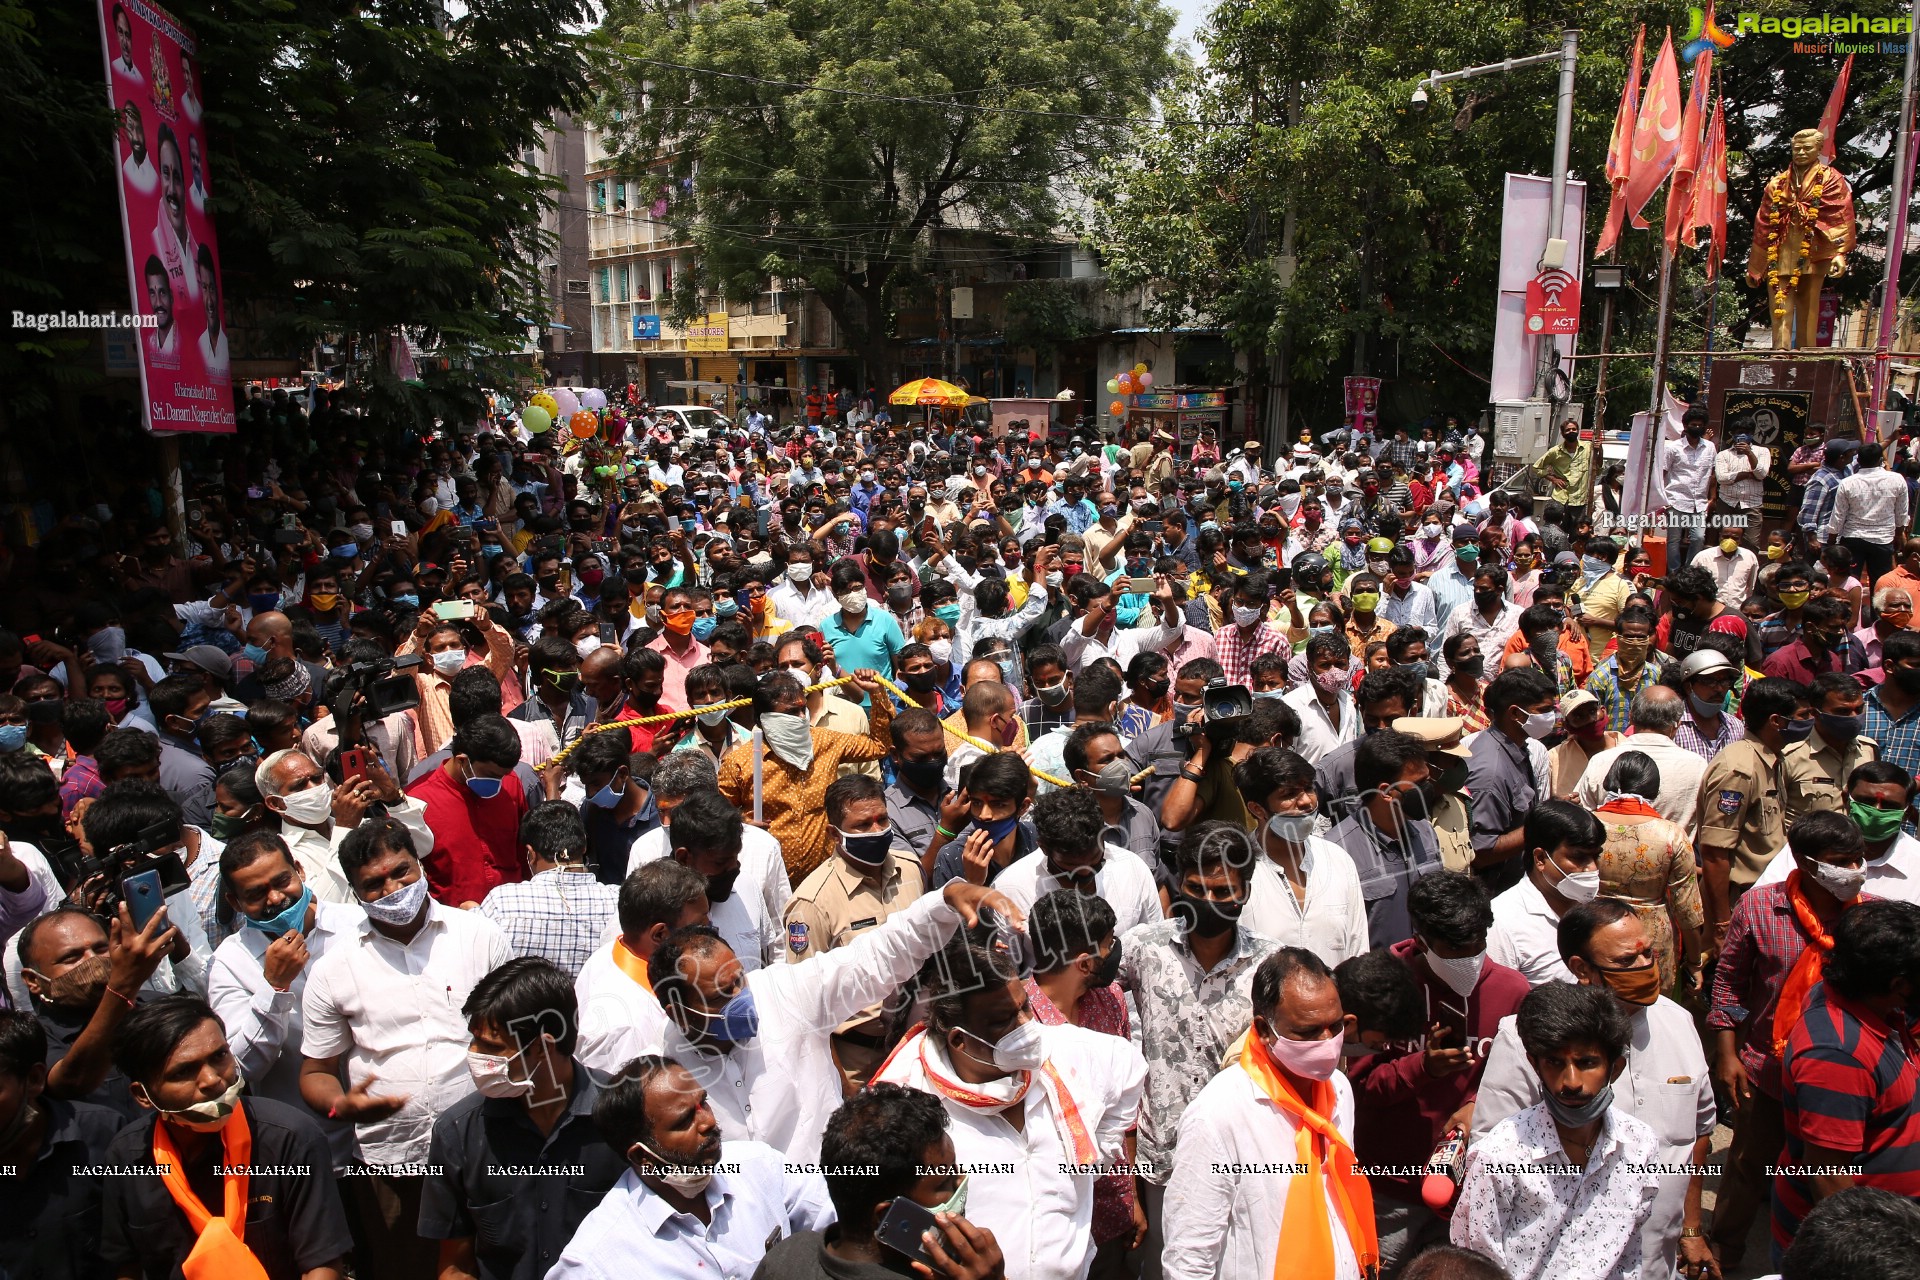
(941, 650)
(1461, 976)
(1246, 617)
(1844, 883)
(208, 1116)
(1294, 828)
(586, 645)
(853, 602)
(1577, 886)
(1541, 723)
(448, 662)
(801, 572)
(399, 907)
(1018, 1050)
(312, 806)
(490, 1077)
(681, 1178)
(1314, 1059)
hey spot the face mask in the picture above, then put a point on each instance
(1018, 1050)
(1314, 1059)
(853, 602)
(1332, 680)
(204, 1117)
(922, 775)
(1115, 777)
(1634, 986)
(606, 797)
(1052, 694)
(1728, 546)
(1377, 567)
(491, 550)
(1576, 1115)
(289, 918)
(788, 736)
(949, 614)
(1843, 883)
(80, 985)
(1794, 599)
(801, 573)
(261, 602)
(1430, 531)
(448, 662)
(1487, 599)
(869, 849)
(703, 628)
(406, 600)
(1467, 557)
(1293, 828)
(899, 598)
(1908, 679)
(1704, 707)
(346, 551)
(1877, 825)
(1577, 886)
(485, 788)
(1460, 975)
(1797, 730)
(12, 737)
(312, 806)
(1540, 724)
(998, 829)
(1366, 601)
(362, 532)
(1777, 552)
(1247, 617)
(674, 1176)
(399, 907)
(490, 1078)
(1205, 917)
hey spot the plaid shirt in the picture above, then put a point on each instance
(1763, 942)
(1605, 684)
(1899, 740)
(1689, 736)
(1404, 453)
(1235, 653)
(559, 915)
(1816, 505)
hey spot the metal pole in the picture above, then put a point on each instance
(1557, 204)
(1599, 418)
(1279, 400)
(1713, 301)
(1897, 217)
(1657, 399)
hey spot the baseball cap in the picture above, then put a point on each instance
(207, 658)
(1573, 701)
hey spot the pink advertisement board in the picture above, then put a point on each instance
(173, 259)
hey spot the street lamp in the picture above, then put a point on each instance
(1553, 254)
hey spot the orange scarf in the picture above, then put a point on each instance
(1629, 807)
(220, 1253)
(1305, 1229)
(1806, 971)
(630, 964)
(1073, 1127)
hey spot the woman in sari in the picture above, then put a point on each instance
(1648, 861)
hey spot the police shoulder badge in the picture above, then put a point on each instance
(1730, 801)
(797, 937)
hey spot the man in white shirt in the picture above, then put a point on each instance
(983, 1053)
(1870, 512)
(1687, 468)
(1305, 889)
(213, 342)
(802, 596)
(1665, 1083)
(759, 1041)
(619, 1017)
(1072, 855)
(163, 339)
(259, 974)
(1654, 715)
(1094, 633)
(1735, 569)
(692, 1205)
(384, 1039)
(137, 169)
(1227, 1200)
(1563, 844)
(747, 885)
(316, 817)
(1328, 719)
(1518, 1203)
(1740, 480)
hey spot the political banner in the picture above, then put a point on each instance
(173, 258)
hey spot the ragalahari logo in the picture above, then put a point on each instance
(1703, 33)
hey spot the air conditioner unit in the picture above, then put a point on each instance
(578, 286)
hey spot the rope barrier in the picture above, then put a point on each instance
(666, 717)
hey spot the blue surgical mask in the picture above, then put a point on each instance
(263, 602)
(725, 609)
(703, 628)
(254, 653)
(947, 613)
(407, 600)
(998, 831)
(346, 551)
(12, 737)
(287, 920)
(489, 550)
(606, 797)
(485, 788)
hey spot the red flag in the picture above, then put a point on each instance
(1620, 149)
(1656, 133)
(1710, 191)
(1830, 118)
(1686, 162)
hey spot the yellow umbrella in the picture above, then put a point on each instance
(929, 391)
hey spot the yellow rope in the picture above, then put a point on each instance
(560, 756)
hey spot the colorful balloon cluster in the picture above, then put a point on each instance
(1131, 382)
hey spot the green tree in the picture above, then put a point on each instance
(832, 138)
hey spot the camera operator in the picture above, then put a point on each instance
(134, 826)
(348, 720)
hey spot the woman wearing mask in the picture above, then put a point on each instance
(1649, 862)
(1526, 570)
(1149, 685)
(1466, 680)
(121, 693)
(937, 635)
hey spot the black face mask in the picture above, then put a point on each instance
(1109, 969)
(1204, 917)
(720, 887)
(1908, 679)
(922, 775)
(922, 680)
(1488, 599)
(899, 598)
(1473, 667)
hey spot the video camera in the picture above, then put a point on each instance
(1223, 708)
(385, 686)
(74, 867)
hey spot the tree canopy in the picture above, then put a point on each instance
(831, 138)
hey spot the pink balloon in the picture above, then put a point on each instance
(568, 401)
(1145, 380)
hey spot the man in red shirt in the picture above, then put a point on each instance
(1848, 1079)
(474, 805)
(1407, 1096)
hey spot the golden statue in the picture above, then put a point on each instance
(1801, 235)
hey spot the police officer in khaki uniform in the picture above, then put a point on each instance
(1814, 773)
(1742, 822)
(870, 876)
(1447, 805)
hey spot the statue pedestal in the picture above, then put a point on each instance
(1774, 401)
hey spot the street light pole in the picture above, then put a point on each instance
(1557, 203)
(1897, 217)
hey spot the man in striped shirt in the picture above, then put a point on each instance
(1851, 1067)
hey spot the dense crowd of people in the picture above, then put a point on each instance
(851, 849)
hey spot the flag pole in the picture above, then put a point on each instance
(1656, 400)
(1897, 218)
